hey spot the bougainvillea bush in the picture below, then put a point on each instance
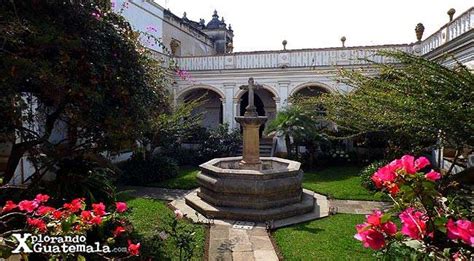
(99, 224)
(434, 224)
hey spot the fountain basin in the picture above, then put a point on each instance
(228, 191)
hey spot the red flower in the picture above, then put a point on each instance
(118, 230)
(41, 198)
(9, 206)
(37, 223)
(408, 164)
(121, 207)
(28, 205)
(96, 220)
(433, 175)
(43, 210)
(99, 209)
(75, 205)
(57, 214)
(133, 249)
(413, 223)
(86, 215)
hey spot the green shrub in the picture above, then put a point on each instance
(367, 172)
(220, 142)
(81, 178)
(140, 171)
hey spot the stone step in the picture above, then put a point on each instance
(306, 205)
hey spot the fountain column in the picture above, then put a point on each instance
(250, 123)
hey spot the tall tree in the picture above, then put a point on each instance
(414, 102)
(73, 80)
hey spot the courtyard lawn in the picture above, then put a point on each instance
(148, 218)
(330, 238)
(186, 179)
(339, 183)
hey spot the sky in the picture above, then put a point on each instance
(264, 24)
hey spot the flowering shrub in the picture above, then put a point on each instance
(431, 225)
(72, 219)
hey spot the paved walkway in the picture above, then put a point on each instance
(356, 206)
(240, 243)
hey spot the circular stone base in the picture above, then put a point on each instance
(306, 205)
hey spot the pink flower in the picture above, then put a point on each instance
(370, 237)
(178, 214)
(37, 223)
(384, 175)
(28, 205)
(121, 207)
(462, 229)
(389, 228)
(133, 249)
(41, 198)
(374, 219)
(99, 209)
(9, 206)
(421, 162)
(118, 230)
(408, 164)
(413, 223)
(433, 175)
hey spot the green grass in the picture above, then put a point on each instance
(330, 238)
(148, 218)
(186, 179)
(339, 183)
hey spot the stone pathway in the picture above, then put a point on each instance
(235, 243)
(356, 206)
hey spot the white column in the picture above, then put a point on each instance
(277, 104)
(228, 105)
(236, 109)
(283, 86)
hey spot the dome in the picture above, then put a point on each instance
(214, 23)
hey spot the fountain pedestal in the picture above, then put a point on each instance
(251, 145)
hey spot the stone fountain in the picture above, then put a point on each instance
(251, 187)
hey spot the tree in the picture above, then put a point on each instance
(74, 80)
(297, 123)
(414, 103)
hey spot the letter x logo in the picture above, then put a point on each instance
(22, 243)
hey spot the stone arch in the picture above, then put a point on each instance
(211, 107)
(268, 88)
(317, 85)
(180, 94)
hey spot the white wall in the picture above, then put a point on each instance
(142, 14)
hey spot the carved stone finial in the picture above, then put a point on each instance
(202, 22)
(184, 15)
(419, 29)
(451, 13)
(230, 27)
(343, 40)
(222, 20)
(285, 42)
(215, 14)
